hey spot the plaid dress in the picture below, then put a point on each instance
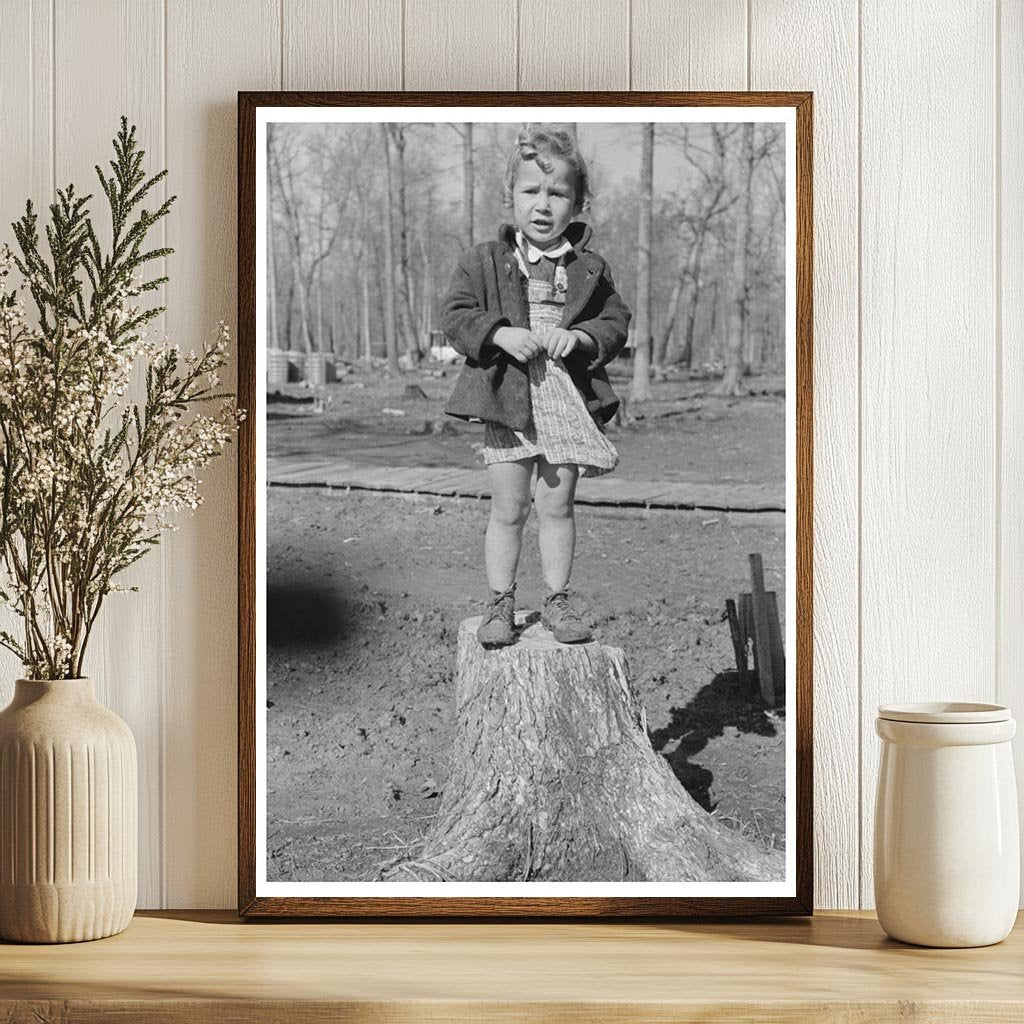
(563, 432)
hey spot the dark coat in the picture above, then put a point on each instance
(488, 291)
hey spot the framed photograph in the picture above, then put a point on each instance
(525, 504)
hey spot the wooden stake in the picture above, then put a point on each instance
(762, 644)
(777, 648)
(739, 643)
(746, 611)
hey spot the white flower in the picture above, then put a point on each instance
(88, 482)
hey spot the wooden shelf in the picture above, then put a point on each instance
(199, 966)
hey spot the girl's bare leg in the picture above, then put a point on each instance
(555, 497)
(510, 508)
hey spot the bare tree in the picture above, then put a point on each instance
(271, 262)
(766, 267)
(361, 250)
(700, 209)
(406, 316)
(390, 311)
(641, 387)
(282, 188)
(465, 132)
(312, 201)
(364, 282)
(426, 258)
(740, 284)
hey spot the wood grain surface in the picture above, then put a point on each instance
(1010, 368)
(207, 966)
(574, 44)
(342, 44)
(213, 51)
(701, 44)
(928, 367)
(780, 59)
(466, 45)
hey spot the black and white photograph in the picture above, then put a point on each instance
(525, 446)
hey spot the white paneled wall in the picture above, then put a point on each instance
(928, 413)
(1008, 216)
(919, 324)
(829, 67)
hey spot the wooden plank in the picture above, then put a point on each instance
(928, 366)
(574, 44)
(401, 479)
(472, 489)
(368, 476)
(607, 488)
(599, 491)
(26, 122)
(813, 44)
(1010, 263)
(26, 108)
(727, 496)
(762, 644)
(747, 629)
(746, 611)
(749, 497)
(213, 51)
(696, 45)
(777, 648)
(208, 967)
(465, 44)
(288, 464)
(646, 490)
(739, 644)
(421, 477)
(342, 44)
(126, 656)
(448, 475)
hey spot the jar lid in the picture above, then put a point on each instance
(944, 713)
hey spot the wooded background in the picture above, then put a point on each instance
(367, 222)
(918, 312)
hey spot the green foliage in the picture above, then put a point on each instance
(88, 477)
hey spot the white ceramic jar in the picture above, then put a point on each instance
(947, 845)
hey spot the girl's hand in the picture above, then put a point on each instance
(560, 342)
(521, 344)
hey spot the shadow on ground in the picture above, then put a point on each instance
(724, 702)
(305, 615)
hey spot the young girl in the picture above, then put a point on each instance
(537, 317)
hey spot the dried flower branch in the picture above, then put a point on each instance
(89, 478)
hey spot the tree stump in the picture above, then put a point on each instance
(553, 778)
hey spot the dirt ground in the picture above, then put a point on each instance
(684, 433)
(366, 591)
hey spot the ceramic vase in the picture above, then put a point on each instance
(947, 846)
(68, 815)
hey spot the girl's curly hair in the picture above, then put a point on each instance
(538, 142)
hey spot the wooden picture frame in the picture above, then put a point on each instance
(258, 898)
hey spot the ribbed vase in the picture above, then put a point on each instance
(68, 815)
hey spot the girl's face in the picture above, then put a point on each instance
(543, 203)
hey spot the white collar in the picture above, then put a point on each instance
(533, 254)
